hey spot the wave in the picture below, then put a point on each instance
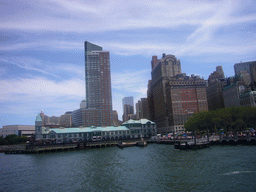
(238, 172)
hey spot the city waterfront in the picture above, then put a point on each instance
(152, 168)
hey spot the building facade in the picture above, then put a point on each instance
(98, 83)
(185, 96)
(172, 96)
(129, 130)
(20, 130)
(117, 122)
(232, 93)
(66, 119)
(128, 108)
(142, 109)
(167, 66)
(248, 99)
(214, 90)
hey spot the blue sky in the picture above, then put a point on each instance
(42, 57)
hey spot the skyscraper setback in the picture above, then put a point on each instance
(98, 84)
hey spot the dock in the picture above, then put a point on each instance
(191, 145)
(41, 149)
(123, 144)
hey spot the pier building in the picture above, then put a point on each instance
(131, 129)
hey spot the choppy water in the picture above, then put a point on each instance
(152, 168)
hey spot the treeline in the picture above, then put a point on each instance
(13, 139)
(228, 119)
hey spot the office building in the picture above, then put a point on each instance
(142, 109)
(128, 108)
(243, 67)
(66, 119)
(173, 96)
(214, 90)
(248, 99)
(116, 121)
(98, 84)
(232, 93)
(20, 130)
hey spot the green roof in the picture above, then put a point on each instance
(87, 129)
(38, 117)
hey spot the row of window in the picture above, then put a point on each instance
(74, 135)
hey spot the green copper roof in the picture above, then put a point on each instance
(86, 129)
(38, 117)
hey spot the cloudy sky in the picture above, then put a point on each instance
(42, 57)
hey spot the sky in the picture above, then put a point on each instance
(42, 47)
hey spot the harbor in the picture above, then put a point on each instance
(151, 168)
(181, 144)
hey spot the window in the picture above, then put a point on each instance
(52, 136)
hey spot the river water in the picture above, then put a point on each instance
(152, 168)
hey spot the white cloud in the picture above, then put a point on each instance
(53, 69)
(82, 16)
(131, 81)
(39, 92)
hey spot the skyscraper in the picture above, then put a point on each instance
(214, 91)
(128, 107)
(173, 97)
(98, 84)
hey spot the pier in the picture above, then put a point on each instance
(41, 149)
(178, 144)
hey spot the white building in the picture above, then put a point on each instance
(19, 130)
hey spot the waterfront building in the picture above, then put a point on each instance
(20, 130)
(214, 90)
(185, 96)
(173, 96)
(98, 84)
(128, 108)
(132, 129)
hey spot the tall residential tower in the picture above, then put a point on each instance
(98, 84)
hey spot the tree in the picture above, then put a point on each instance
(228, 119)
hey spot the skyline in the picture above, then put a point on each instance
(42, 47)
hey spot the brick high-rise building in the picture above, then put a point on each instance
(142, 109)
(98, 84)
(173, 97)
